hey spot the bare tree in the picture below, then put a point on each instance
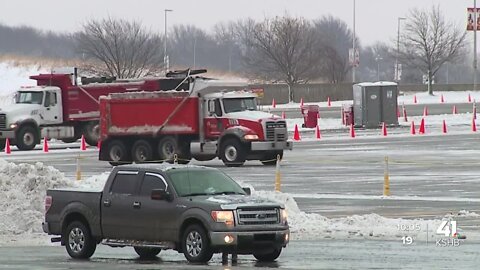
(429, 41)
(281, 49)
(125, 48)
(334, 40)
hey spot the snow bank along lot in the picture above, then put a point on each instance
(23, 188)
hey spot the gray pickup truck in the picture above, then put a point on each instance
(195, 210)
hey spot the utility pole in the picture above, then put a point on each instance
(397, 71)
(166, 61)
(353, 45)
(474, 45)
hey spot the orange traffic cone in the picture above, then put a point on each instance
(454, 110)
(301, 102)
(83, 145)
(99, 144)
(474, 125)
(352, 131)
(384, 129)
(8, 149)
(412, 128)
(422, 127)
(398, 112)
(415, 99)
(329, 104)
(317, 133)
(274, 104)
(283, 115)
(45, 145)
(469, 98)
(425, 111)
(296, 134)
(442, 100)
(444, 127)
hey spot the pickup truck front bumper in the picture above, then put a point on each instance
(247, 241)
(272, 145)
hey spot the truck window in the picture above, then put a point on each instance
(152, 181)
(124, 183)
(32, 97)
(218, 108)
(47, 99)
(239, 104)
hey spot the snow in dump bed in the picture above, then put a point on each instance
(23, 188)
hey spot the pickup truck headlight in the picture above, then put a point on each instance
(250, 137)
(223, 217)
(283, 216)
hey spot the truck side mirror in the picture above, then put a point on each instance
(247, 190)
(160, 195)
(211, 107)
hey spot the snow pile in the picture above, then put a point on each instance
(23, 188)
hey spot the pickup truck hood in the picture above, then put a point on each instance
(232, 202)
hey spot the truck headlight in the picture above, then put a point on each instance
(223, 217)
(283, 216)
(250, 137)
(12, 126)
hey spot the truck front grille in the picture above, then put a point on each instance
(3, 121)
(276, 131)
(258, 216)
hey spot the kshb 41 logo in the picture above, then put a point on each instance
(448, 228)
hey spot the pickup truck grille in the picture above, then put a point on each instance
(3, 121)
(276, 131)
(258, 216)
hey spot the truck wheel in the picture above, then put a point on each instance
(268, 257)
(167, 148)
(270, 158)
(91, 131)
(117, 152)
(196, 245)
(78, 241)
(232, 153)
(146, 252)
(142, 151)
(27, 138)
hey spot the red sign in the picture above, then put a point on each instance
(471, 19)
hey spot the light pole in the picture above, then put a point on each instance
(397, 71)
(475, 45)
(353, 45)
(166, 61)
(378, 58)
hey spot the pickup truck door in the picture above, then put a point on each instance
(118, 206)
(157, 217)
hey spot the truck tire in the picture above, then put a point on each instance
(91, 131)
(232, 153)
(269, 256)
(79, 241)
(270, 158)
(147, 252)
(196, 245)
(142, 151)
(168, 147)
(27, 138)
(117, 152)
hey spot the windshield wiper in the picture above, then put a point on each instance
(195, 194)
(227, 193)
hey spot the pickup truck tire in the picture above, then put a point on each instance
(196, 245)
(147, 252)
(142, 151)
(232, 153)
(117, 152)
(268, 257)
(79, 241)
(91, 131)
(27, 138)
(270, 158)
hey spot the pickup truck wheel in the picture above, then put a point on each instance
(27, 138)
(270, 158)
(117, 152)
(91, 131)
(269, 256)
(142, 151)
(146, 252)
(232, 153)
(196, 245)
(79, 242)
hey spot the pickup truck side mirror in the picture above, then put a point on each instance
(247, 190)
(161, 195)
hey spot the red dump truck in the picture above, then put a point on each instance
(62, 106)
(207, 119)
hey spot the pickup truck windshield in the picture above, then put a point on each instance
(32, 97)
(197, 182)
(239, 104)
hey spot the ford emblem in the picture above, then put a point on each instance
(261, 216)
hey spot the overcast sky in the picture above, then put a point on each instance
(376, 20)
